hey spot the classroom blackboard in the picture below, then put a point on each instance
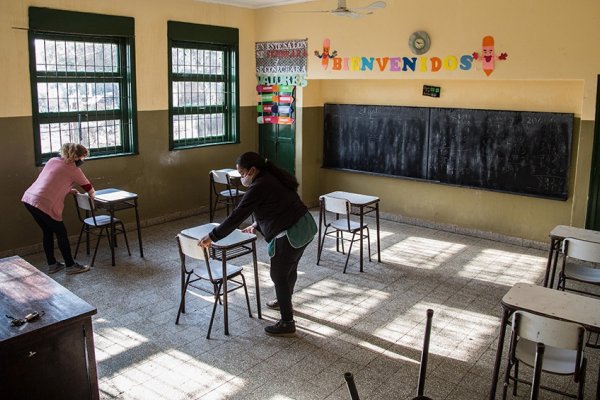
(384, 139)
(510, 151)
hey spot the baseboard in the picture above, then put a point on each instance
(457, 229)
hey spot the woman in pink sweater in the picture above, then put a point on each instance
(45, 200)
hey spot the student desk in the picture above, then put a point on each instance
(114, 200)
(361, 206)
(235, 245)
(557, 235)
(51, 357)
(548, 303)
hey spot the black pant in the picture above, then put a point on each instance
(51, 227)
(284, 272)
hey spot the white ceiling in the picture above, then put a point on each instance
(255, 3)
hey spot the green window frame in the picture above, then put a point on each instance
(203, 85)
(82, 82)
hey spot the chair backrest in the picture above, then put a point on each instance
(335, 205)
(581, 249)
(221, 178)
(188, 247)
(551, 332)
(84, 201)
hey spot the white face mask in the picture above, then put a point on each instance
(246, 180)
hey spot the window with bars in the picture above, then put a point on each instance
(82, 92)
(203, 92)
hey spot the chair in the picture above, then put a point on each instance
(349, 378)
(563, 354)
(577, 258)
(86, 212)
(422, 370)
(223, 191)
(209, 270)
(337, 227)
(424, 358)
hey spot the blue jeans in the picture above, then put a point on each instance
(284, 272)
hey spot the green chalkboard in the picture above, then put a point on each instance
(509, 151)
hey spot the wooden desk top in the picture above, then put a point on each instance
(25, 289)
(236, 238)
(555, 304)
(564, 231)
(354, 198)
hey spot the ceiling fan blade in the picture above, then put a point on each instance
(349, 14)
(373, 6)
(355, 15)
(313, 11)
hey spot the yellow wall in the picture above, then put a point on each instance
(170, 184)
(552, 66)
(151, 18)
(546, 70)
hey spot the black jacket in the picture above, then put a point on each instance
(275, 207)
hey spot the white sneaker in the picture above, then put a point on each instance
(77, 268)
(54, 268)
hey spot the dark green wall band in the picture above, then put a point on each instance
(204, 33)
(60, 21)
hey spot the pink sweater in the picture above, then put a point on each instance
(53, 184)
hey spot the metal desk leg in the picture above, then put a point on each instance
(210, 199)
(139, 231)
(225, 314)
(549, 263)
(378, 239)
(505, 314)
(256, 279)
(320, 223)
(112, 234)
(361, 239)
(554, 264)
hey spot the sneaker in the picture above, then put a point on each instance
(281, 328)
(77, 269)
(54, 268)
(273, 304)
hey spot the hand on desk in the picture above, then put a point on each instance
(249, 229)
(206, 241)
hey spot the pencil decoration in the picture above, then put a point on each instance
(488, 55)
(275, 104)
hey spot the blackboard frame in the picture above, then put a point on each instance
(518, 152)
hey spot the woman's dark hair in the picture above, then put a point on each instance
(251, 159)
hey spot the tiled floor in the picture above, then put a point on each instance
(370, 324)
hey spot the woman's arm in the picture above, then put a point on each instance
(245, 208)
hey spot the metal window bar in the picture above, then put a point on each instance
(201, 97)
(83, 93)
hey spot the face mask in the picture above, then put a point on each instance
(78, 163)
(246, 180)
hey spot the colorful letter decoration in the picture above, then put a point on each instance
(397, 63)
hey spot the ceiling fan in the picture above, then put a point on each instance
(343, 11)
